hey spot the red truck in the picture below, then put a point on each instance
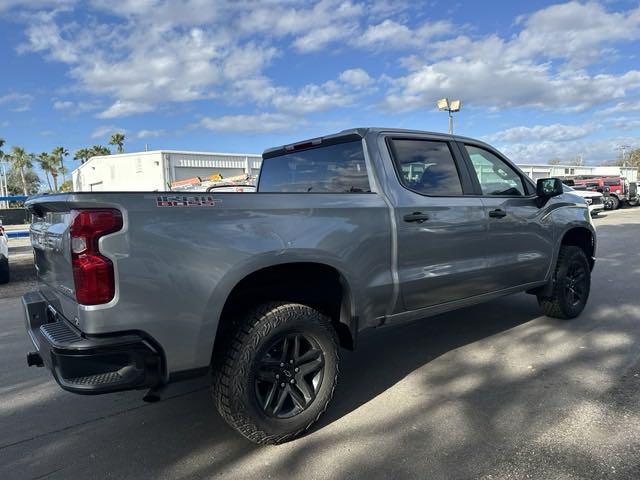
(620, 190)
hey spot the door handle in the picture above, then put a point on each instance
(497, 213)
(417, 217)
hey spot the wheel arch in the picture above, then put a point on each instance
(317, 284)
(582, 237)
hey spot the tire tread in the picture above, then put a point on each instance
(260, 321)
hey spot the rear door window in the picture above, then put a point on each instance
(336, 168)
(426, 166)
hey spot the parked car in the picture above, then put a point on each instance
(620, 191)
(364, 228)
(594, 199)
(5, 273)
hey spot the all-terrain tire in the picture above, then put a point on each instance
(562, 303)
(234, 378)
(5, 275)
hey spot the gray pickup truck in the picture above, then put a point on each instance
(364, 228)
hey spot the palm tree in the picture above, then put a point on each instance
(98, 150)
(46, 162)
(59, 153)
(83, 155)
(117, 140)
(21, 161)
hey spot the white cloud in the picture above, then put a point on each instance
(592, 151)
(502, 85)
(390, 34)
(622, 107)
(259, 123)
(555, 133)
(356, 77)
(123, 108)
(16, 101)
(624, 123)
(6, 5)
(543, 66)
(574, 31)
(63, 105)
(105, 131)
(150, 133)
(315, 98)
(319, 38)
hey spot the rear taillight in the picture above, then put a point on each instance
(92, 272)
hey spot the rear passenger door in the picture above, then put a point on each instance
(441, 231)
(519, 247)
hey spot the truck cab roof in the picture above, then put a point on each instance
(352, 134)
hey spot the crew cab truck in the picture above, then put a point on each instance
(360, 229)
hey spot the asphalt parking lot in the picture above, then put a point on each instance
(494, 391)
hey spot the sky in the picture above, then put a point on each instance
(539, 80)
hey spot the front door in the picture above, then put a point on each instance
(441, 232)
(520, 247)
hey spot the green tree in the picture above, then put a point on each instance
(633, 158)
(47, 164)
(59, 153)
(21, 161)
(14, 182)
(83, 155)
(98, 150)
(117, 140)
(66, 186)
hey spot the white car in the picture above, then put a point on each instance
(593, 199)
(4, 256)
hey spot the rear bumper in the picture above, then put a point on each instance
(90, 364)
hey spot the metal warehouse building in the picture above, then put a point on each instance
(157, 170)
(546, 171)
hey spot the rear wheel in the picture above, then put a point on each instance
(615, 203)
(278, 373)
(4, 270)
(571, 285)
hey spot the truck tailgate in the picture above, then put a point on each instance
(52, 256)
(50, 240)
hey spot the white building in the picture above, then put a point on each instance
(546, 171)
(157, 170)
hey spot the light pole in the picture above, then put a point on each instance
(450, 106)
(623, 149)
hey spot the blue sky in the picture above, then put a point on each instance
(539, 80)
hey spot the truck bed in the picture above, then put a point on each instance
(178, 255)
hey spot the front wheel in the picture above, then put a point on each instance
(571, 285)
(278, 373)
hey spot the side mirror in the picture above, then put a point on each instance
(549, 187)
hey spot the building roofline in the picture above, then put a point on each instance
(183, 152)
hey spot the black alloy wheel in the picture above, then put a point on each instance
(575, 283)
(289, 375)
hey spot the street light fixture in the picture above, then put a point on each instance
(444, 104)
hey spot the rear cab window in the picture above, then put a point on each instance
(337, 168)
(426, 167)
